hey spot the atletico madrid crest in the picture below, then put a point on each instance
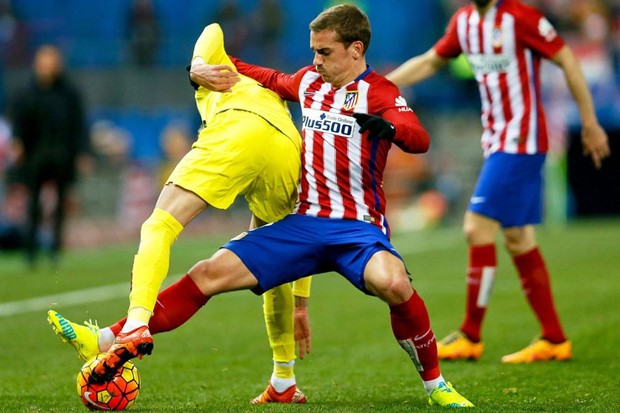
(497, 38)
(350, 100)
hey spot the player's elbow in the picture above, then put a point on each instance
(421, 142)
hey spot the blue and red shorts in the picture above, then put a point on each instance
(510, 189)
(302, 245)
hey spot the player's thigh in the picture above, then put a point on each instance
(226, 159)
(273, 194)
(223, 272)
(182, 204)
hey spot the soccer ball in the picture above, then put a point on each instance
(117, 394)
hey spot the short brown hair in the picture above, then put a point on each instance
(348, 21)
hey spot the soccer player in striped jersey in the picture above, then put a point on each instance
(505, 42)
(228, 159)
(351, 118)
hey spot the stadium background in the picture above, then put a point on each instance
(129, 57)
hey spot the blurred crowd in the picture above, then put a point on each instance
(426, 191)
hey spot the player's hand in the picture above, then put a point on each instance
(376, 125)
(595, 143)
(217, 78)
(303, 338)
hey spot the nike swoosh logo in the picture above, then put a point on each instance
(87, 397)
(416, 338)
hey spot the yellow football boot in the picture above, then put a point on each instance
(541, 350)
(84, 338)
(457, 346)
(444, 395)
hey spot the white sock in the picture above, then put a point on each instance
(430, 385)
(106, 338)
(281, 384)
(131, 325)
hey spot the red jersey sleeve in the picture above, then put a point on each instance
(410, 136)
(537, 33)
(448, 46)
(285, 85)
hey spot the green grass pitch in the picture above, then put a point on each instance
(220, 359)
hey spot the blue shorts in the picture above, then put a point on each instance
(302, 245)
(510, 189)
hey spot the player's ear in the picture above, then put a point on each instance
(358, 49)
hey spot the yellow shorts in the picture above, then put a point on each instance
(240, 153)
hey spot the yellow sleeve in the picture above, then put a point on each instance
(301, 287)
(210, 46)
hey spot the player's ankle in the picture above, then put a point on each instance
(281, 384)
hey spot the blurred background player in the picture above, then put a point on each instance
(352, 116)
(228, 159)
(504, 42)
(50, 142)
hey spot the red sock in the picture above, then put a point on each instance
(480, 276)
(412, 329)
(536, 286)
(174, 306)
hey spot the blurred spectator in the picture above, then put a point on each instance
(49, 137)
(175, 143)
(235, 24)
(7, 30)
(268, 27)
(12, 195)
(143, 33)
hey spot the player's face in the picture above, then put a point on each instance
(335, 63)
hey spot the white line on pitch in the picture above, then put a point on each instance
(403, 245)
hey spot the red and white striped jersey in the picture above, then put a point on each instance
(504, 48)
(342, 170)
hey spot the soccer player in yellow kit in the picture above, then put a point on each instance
(247, 145)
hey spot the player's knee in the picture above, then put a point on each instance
(200, 274)
(393, 290)
(161, 222)
(517, 241)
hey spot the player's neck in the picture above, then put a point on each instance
(484, 8)
(356, 70)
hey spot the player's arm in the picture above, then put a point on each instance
(593, 136)
(301, 291)
(417, 68)
(217, 78)
(405, 131)
(390, 118)
(285, 85)
(210, 67)
(410, 136)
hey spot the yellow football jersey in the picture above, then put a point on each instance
(247, 94)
